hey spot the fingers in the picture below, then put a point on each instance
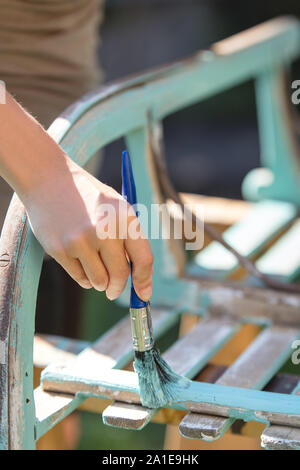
(94, 269)
(114, 259)
(75, 270)
(103, 264)
(140, 254)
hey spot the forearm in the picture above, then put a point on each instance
(28, 155)
(64, 206)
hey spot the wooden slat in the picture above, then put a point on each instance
(219, 211)
(52, 348)
(51, 408)
(281, 438)
(259, 305)
(113, 349)
(248, 236)
(280, 383)
(187, 356)
(278, 437)
(193, 350)
(250, 37)
(253, 369)
(283, 258)
(123, 385)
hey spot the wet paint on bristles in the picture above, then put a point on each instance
(158, 383)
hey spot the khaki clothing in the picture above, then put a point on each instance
(48, 56)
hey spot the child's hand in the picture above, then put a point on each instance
(65, 217)
(63, 203)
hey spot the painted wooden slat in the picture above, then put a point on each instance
(52, 348)
(248, 236)
(253, 369)
(122, 385)
(283, 258)
(247, 302)
(113, 349)
(187, 356)
(280, 437)
(51, 408)
(278, 176)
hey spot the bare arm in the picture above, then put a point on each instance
(64, 202)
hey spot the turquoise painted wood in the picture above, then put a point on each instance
(18, 288)
(164, 323)
(272, 348)
(195, 349)
(283, 258)
(279, 176)
(93, 122)
(246, 404)
(248, 237)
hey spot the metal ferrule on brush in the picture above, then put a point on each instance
(141, 327)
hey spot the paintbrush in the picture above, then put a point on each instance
(158, 383)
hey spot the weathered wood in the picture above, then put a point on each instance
(17, 328)
(257, 304)
(219, 211)
(251, 37)
(52, 348)
(248, 236)
(192, 351)
(278, 177)
(122, 385)
(280, 383)
(253, 369)
(281, 438)
(113, 349)
(187, 356)
(232, 401)
(283, 258)
(51, 408)
(261, 360)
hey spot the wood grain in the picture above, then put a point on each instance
(113, 349)
(283, 258)
(187, 356)
(253, 369)
(258, 305)
(281, 437)
(248, 236)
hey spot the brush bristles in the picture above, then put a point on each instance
(159, 384)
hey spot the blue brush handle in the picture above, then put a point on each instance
(129, 192)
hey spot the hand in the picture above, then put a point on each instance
(65, 216)
(64, 203)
